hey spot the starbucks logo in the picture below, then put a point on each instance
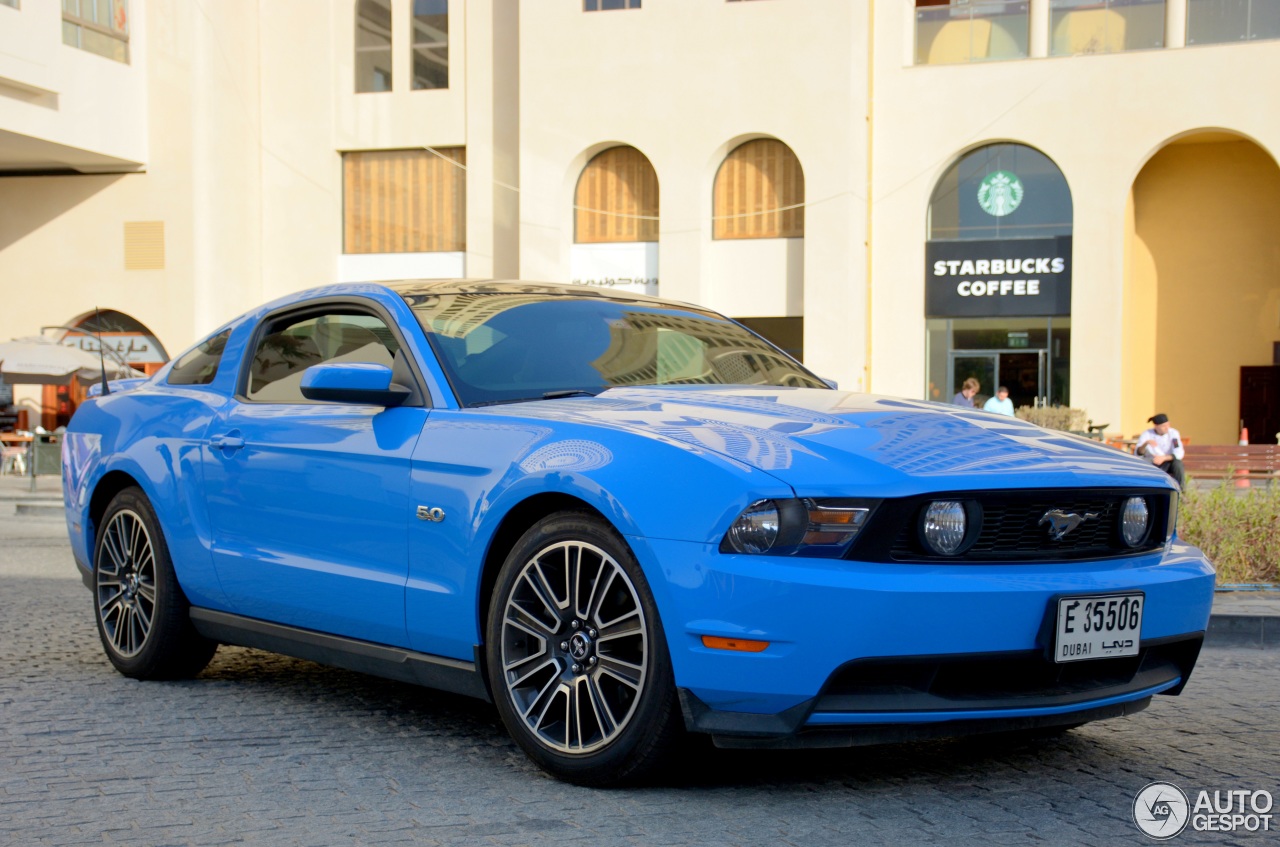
(1000, 193)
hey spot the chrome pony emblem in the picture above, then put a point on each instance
(1061, 523)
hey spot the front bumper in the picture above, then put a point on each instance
(953, 648)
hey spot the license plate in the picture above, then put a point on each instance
(1101, 626)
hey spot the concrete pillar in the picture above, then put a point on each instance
(1175, 23)
(1038, 47)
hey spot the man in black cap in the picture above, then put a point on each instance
(1162, 444)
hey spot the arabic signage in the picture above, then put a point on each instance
(1012, 277)
(135, 348)
(624, 266)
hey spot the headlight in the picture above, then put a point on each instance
(1134, 518)
(1171, 529)
(944, 526)
(808, 527)
(756, 529)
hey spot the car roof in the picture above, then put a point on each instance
(515, 286)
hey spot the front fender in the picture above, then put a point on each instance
(480, 470)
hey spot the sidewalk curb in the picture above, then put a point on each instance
(39, 509)
(1259, 632)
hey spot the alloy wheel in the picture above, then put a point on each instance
(126, 583)
(574, 647)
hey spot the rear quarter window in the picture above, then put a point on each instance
(199, 365)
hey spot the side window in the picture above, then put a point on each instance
(199, 365)
(293, 345)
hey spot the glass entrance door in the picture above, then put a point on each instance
(980, 365)
(1023, 372)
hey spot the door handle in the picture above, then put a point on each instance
(226, 442)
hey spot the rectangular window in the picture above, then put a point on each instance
(1228, 21)
(405, 201)
(98, 26)
(606, 5)
(430, 44)
(1104, 26)
(373, 46)
(963, 31)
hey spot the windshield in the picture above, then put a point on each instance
(498, 348)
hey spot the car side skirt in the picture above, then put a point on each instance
(381, 660)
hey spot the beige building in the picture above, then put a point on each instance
(1075, 198)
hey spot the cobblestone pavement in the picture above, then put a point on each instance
(267, 750)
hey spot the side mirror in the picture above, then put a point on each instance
(362, 383)
(831, 383)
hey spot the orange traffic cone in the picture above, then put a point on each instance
(1242, 476)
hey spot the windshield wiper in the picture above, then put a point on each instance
(550, 395)
(572, 392)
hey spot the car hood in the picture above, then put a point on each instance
(828, 442)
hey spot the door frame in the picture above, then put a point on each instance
(1042, 354)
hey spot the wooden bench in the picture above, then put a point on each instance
(1219, 461)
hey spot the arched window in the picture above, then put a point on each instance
(759, 192)
(1001, 191)
(616, 199)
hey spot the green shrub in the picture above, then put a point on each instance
(1239, 532)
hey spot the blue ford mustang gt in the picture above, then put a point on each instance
(620, 519)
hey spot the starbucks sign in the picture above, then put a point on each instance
(1000, 193)
(1008, 277)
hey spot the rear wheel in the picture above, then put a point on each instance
(140, 609)
(577, 661)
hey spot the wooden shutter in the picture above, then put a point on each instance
(617, 198)
(754, 181)
(405, 201)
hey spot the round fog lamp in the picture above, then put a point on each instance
(756, 529)
(1133, 520)
(944, 526)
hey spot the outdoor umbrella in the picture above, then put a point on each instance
(40, 361)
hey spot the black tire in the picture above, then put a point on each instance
(603, 659)
(142, 615)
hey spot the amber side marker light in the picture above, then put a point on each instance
(742, 645)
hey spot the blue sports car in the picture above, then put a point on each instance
(621, 519)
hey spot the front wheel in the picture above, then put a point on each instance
(141, 611)
(576, 657)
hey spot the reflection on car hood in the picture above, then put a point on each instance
(838, 442)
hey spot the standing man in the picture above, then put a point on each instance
(1162, 445)
(1000, 404)
(967, 390)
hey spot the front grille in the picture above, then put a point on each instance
(1000, 681)
(1011, 528)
